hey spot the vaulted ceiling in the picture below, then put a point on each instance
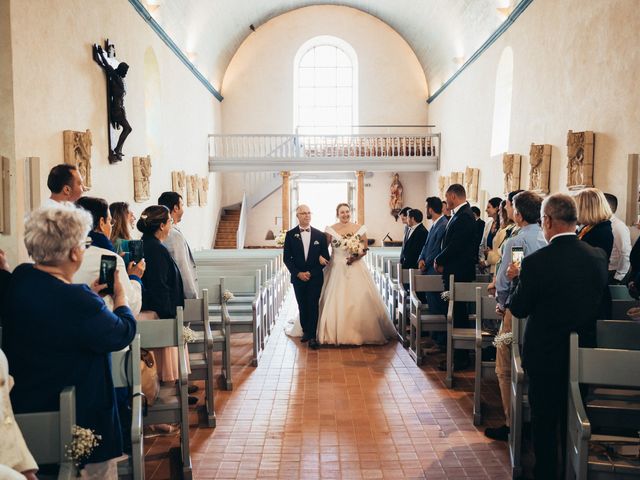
(442, 33)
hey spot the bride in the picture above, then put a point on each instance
(351, 310)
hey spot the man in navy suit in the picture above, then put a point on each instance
(416, 237)
(305, 255)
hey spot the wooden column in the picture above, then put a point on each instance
(360, 193)
(286, 201)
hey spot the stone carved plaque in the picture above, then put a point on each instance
(580, 155)
(443, 184)
(77, 152)
(203, 191)
(540, 168)
(192, 190)
(456, 177)
(511, 164)
(141, 178)
(471, 181)
(179, 182)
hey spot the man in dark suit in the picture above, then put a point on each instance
(458, 257)
(305, 255)
(416, 237)
(561, 290)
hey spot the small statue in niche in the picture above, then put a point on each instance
(203, 191)
(116, 91)
(77, 152)
(192, 190)
(178, 182)
(141, 178)
(395, 200)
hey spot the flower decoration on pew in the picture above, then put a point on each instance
(83, 441)
(227, 295)
(188, 334)
(280, 238)
(445, 295)
(505, 339)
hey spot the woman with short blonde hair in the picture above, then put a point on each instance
(594, 215)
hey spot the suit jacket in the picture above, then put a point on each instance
(601, 236)
(181, 254)
(294, 254)
(433, 245)
(162, 291)
(480, 227)
(562, 288)
(413, 246)
(459, 248)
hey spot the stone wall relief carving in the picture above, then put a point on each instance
(179, 182)
(192, 190)
(141, 178)
(511, 164)
(471, 181)
(203, 191)
(77, 152)
(580, 159)
(456, 177)
(443, 184)
(540, 168)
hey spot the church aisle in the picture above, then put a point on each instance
(361, 412)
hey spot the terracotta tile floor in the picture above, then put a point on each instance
(360, 412)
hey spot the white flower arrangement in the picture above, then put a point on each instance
(445, 295)
(227, 295)
(505, 339)
(83, 441)
(280, 238)
(352, 244)
(188, 334)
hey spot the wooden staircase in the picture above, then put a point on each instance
(227, 228)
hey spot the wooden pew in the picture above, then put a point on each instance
(402, 303)
(520, 410)
(485, 312)
(421, 318)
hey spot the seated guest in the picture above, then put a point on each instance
(526, 213)
(561, 289)
(65, 183)
(506, 226)
(594, 214)
(162, 292)
(59, 334)
(101, 245)
(619, 260)
(123, 222)
(13, 450)
(414, 240)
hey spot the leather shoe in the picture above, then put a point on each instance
(192, 400)
(313, 343)
(305, 338)
(499, 433)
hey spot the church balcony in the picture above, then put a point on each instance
(370, 152)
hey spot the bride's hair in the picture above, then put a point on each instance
(342, 205)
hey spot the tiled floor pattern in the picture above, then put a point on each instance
(359, 412)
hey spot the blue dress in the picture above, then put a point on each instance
(56, 335)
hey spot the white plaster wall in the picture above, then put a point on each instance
(575, 67)
(258, 91)
(57, 87)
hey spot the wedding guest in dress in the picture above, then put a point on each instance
(506, 226)
(66, 336)
(14, 452)
(458, 257)
(619, 260)
(162, 292)
(351, 309)
(594, 214)
(65, 183)
(561, 289)
(415, 239)
(130, 277)
(177, 244)
(305, 255)
(124, 221)
(491, 227)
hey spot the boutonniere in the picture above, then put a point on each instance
(316, 242)
(297, 235)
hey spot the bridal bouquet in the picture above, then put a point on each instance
(352, 244)
(280, 239)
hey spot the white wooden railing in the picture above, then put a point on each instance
(242, 223)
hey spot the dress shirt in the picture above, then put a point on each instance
(531, 238)
(410, 231)
(51, 203)
(305, 235)
(181, 254)
(619, 261)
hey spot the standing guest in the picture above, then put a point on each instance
(530, 238)
(594, 214)
(162, 292)
(480, 224)
(415, 239)
(66, 336)
(491, 227)
(65, 183)
(446, 211)
(124, 221)
(507, 225)
(404, 219)
(458, 257)
(178, 246)
(130, 276)
(561, 289)
(619, 261)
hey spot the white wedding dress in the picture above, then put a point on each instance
(351, 309)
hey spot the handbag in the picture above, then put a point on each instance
(149, 380)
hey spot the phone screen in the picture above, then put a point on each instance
(136, 250)
(107, 272)
(517, 254)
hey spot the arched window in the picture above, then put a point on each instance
(502, 104)
(325, 87)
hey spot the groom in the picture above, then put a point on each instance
(305, 254)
